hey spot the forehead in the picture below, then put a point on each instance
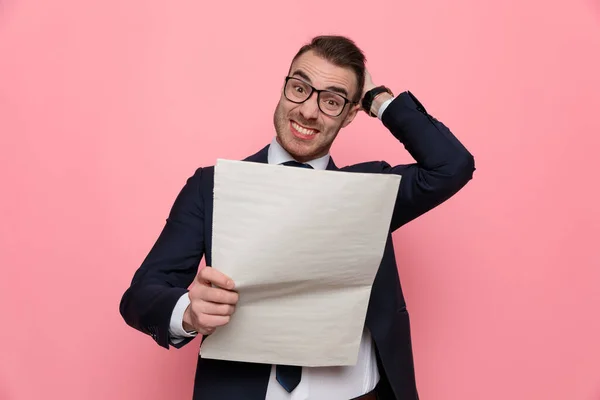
(323, 73)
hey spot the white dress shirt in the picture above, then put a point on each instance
(317, 383)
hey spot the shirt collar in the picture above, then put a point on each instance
(278, 155)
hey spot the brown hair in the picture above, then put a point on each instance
(340, 51)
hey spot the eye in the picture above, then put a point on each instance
(299, 89)
(332, 103)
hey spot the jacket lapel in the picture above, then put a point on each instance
(331, 166)
(261, 157)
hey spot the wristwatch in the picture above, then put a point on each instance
(370, 96)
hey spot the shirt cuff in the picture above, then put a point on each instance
(176, 326)
(383, 107)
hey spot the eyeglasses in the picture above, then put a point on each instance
(330, 103)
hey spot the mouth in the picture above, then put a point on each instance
(302, 132)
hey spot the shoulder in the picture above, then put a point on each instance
(201, 180)
(196, 191)
(372, 167)
(199, 174)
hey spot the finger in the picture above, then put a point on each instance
(207, 307)
(216, 277)
(206, 331)
(206, 321)
(219, 296)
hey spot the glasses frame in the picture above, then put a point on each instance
(318, 91)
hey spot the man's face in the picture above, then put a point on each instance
(303, 130)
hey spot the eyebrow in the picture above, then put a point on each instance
(336, 89)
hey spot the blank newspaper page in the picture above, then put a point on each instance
(303, 247)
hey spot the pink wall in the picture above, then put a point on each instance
(106, 108)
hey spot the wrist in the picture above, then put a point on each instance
(374, 98)
(378, 102)
(187, 321)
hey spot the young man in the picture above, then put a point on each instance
(326, 86)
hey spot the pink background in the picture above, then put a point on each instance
(106, 107)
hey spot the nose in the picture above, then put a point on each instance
(310, 109)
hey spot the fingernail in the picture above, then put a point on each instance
(229, 284)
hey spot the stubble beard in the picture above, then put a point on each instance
(290, 144)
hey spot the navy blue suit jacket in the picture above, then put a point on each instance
(443, 166)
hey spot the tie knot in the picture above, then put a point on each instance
(294, 163)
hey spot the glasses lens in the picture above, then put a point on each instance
(296, 90)
(331, 103)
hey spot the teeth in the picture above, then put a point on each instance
(303, 130)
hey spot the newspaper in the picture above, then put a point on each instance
(303, 247)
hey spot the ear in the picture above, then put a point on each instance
(351, 114)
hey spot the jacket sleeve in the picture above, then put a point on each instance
(443, 165)
(169, 268)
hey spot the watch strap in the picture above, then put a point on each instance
(368, 98)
